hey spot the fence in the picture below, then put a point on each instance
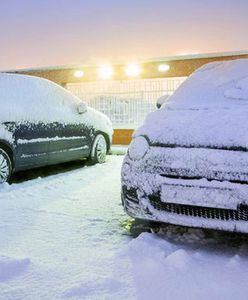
(126, 102)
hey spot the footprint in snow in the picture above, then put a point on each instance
(11, 268)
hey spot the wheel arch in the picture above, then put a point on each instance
(9, 150)
(106, 138)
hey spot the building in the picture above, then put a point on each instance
(127, 92)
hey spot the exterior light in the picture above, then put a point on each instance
(163, 68)
(78, 73)
(105, 72)
(133, 70)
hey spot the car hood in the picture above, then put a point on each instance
(220, 129)
(209, 109)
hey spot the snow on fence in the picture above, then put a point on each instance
(125, 102)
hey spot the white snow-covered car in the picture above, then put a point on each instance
(42, 123)
(188, 163)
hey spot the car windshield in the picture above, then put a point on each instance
(208, 110)
(215, 85)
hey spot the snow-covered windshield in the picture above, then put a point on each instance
(215, 85)
(208, 110)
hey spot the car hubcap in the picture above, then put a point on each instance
(101, 149)
(4, 168)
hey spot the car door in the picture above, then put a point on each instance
(69, 135)
(31, 140)
(70, 141)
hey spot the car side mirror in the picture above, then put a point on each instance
(158, 105)
(81, 108)
(161, 100)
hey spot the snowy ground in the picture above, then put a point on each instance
(65, 236)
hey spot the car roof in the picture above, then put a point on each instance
(28, 97)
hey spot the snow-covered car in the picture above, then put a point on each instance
(188, 163)
(42, 123)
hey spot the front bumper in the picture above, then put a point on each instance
(152, 208)
(214, 204)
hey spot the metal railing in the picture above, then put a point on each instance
(126, 102)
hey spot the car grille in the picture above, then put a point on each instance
(241, 214)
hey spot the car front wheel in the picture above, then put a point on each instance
(5, 166)
(99, 150)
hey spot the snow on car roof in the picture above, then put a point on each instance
(209, 109)
(28, 97)
(214, 85)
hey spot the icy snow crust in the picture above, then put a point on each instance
(29, 99)
(186, 264)
(209, 109)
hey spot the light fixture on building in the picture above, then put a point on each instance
(105, 72)
(133, 70)
(163, 68)
(78, 73)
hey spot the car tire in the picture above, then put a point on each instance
(5, 166)
(99, 150)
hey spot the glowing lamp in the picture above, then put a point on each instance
(133, 70)
(78, 73)
(105, 72)
(163, 68)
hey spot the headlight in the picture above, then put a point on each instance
(138, 148)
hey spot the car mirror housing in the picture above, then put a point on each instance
(161, 100)
(81, 108)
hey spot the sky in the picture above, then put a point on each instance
(36, 33)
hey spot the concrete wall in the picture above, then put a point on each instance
(122, 136)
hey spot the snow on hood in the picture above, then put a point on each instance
(209, 109)
(34, 99)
